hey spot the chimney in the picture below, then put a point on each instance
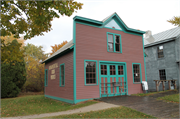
(148, 34)
(149, 37)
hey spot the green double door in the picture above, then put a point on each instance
(113, 79)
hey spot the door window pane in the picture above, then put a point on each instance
(120, 70)
(103, 70)
(112, 70)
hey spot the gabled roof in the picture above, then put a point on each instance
(162, 36)
(104, 21)
(67, 46)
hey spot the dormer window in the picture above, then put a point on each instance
(160, 51)
(114, 43)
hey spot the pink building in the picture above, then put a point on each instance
(105, 58)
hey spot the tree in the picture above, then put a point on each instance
(32, 18)
(9, 39)
(13, 73)
(175, 21)
(34, 68)
(57, 47)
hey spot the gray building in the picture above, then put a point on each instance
(163, 57)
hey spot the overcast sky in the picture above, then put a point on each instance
(137, 14)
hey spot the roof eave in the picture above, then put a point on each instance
(66, 50)
(162, 41)
(78, 18)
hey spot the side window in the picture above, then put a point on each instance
(114, 43)
(137, 73)
(160, 51)
(162, 74)
(46, 77)
(62, 75)
(90, 72)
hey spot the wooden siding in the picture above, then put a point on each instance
(53, 88)
(91, 44)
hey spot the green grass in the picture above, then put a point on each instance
(119, 112)
(36, 104)
(151, 93)
(170, 98)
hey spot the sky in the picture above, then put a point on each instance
(137, 14)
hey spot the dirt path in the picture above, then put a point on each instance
(94, 107)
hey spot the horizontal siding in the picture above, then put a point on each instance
(91, 44)
(53, 88)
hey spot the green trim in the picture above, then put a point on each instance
(144, 60)
(60, 75)
(124, 25)
(60, 99)
(46, 78)
(114, 44)
(140, 73)
(74, 61)
(89, 24)
(76, 18)
(71, 47)
(85, 72)
(112, 62)
(101, 24)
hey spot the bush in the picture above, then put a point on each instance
(13, 72)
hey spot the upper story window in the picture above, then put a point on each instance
(160, 51)
(162, 74)
(90, 72)
(114, 43)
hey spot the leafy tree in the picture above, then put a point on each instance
(57, 47)
(175, 21)
(32, 18)
(9, 39)
(34, 68)
(13, 73)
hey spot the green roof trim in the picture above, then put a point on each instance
(102, 23)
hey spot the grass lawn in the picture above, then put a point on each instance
(170, 98)
(151, 93)
(118, 112)
(35, 104)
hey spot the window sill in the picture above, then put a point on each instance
(61, 86)
(115, 52)
(91, 84)
(137, 83)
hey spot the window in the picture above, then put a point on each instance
(136, 73)
(46, 77)
(62, 75)
(114, 43)
(160, 51)
(91, 72)
(162, 74)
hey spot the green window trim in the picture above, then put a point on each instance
(60, 79)
(85, 72)
(46, 78)
(139, 72)
(114, 43)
